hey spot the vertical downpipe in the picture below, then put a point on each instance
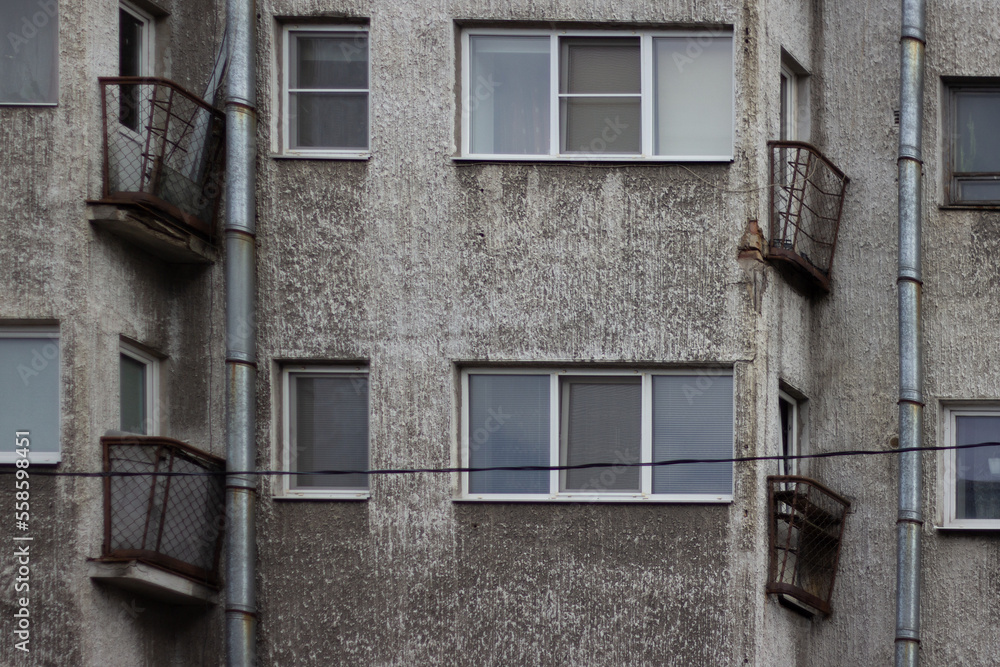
(241, 333)
(910, 521)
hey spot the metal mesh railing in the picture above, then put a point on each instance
(172, 521)
(806, 530)
(807, 197)
(163, 149)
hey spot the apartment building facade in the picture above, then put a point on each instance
(543, 236)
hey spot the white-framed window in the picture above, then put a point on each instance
(325, 101)
(971, 477)
(789, 417)
(136, 49)
(972, 141)
(30, 392)
(29, 52)
(584, 416)
(325, 418)
(138, 390)
(597, 94)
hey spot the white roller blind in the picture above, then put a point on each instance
(29, 395)
(328, 429)
(693, 419)
(693, 103)
(508, 426)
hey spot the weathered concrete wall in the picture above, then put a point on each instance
(57, 268)
(416, 263)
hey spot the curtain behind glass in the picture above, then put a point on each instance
(29, 392)
(332, 109)
(29, 52)
(693, 103)
(328, 429)
(693, 419)
(977, 474)
(601, 422)
(508, 426)
(508, 95)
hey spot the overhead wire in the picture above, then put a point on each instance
(471, 469)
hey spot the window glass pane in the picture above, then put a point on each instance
(508, 95)
(328, 60)
(693, 98)
(693, 419)
(29, 52)
(329, 429)
(29, 393)
(977, 474)
(129, 44)
(983, 191)
(133, 400)
(601, 422)
(328, 120)
(508, 426)
(599, 65)
(598, 125)
(977, 146)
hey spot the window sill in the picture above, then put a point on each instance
(352, 157)
(977, 525)
(615, 159)
(969, 207)
(41, 459)
(323, 495)
(636, 498)
(29, 104)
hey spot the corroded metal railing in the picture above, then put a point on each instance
(164, 504)
(163, 151)
(807, 199)
(806, 529)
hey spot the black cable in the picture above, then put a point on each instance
(411, 471)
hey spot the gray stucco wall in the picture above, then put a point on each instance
(58, 268)
(417, 265)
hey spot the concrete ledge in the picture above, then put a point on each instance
(155, 236)
(151, 582)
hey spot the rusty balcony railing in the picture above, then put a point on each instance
(169, 520)
(806, 529)
(163, 151)
(807, 200)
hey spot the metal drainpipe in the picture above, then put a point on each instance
(910, 521)
(241, 333)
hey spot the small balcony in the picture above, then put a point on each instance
(807, 199)
(162, 168)
(164, 506)
(806, 529)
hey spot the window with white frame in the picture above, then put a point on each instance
(585, 417)
(789, 421)
(325, 428)
(794, 111)
(138, 390)
(29, 392)
(136, 44)
(589, 94)
(325, 90)
(29, 52)
(973, 142)
(972, 476)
